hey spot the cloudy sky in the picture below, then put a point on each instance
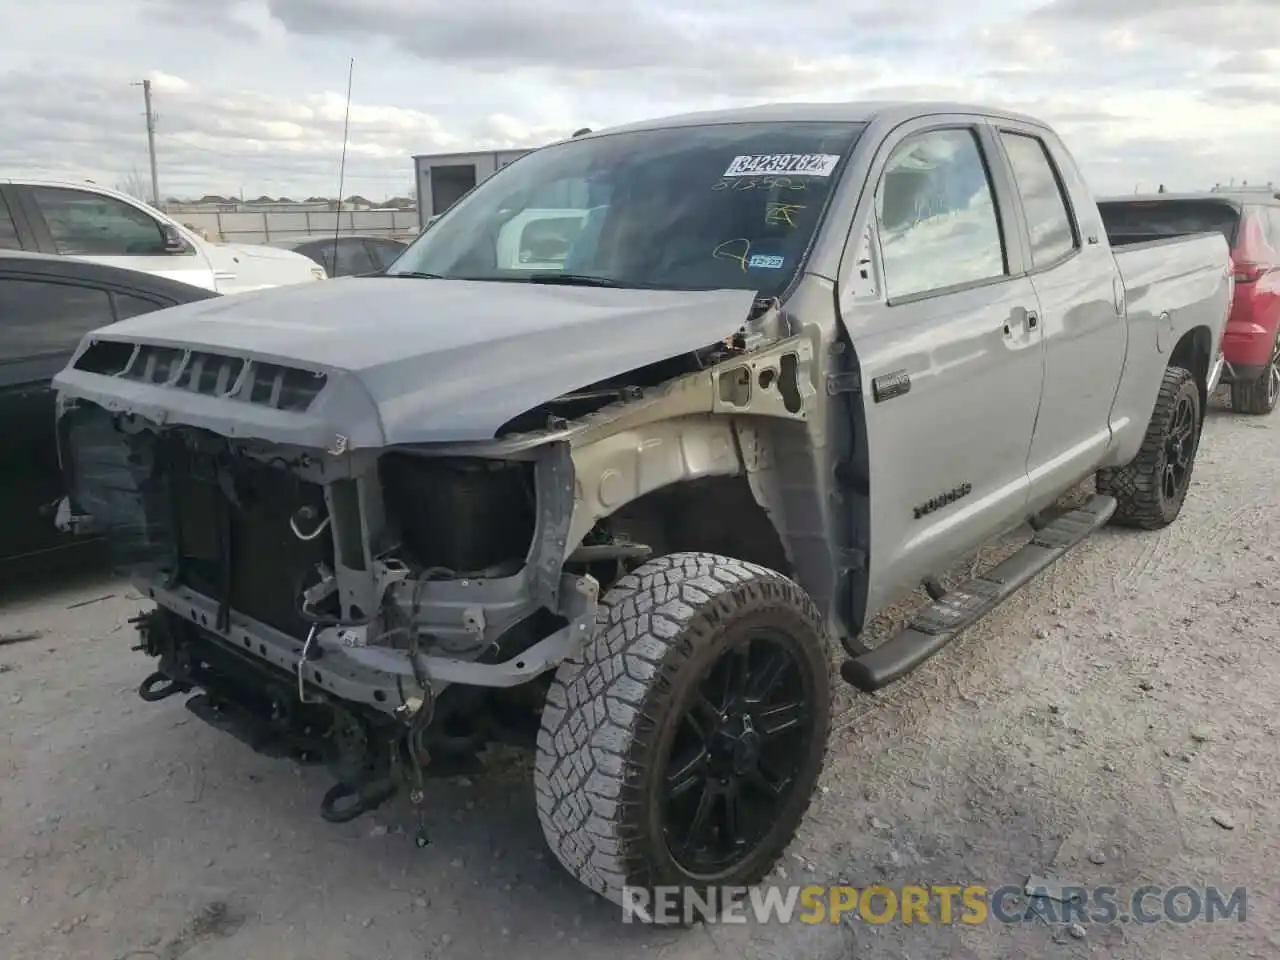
(250, 93)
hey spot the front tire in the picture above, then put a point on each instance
(683, 745)
(1151, 489)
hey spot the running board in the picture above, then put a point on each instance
(933, 627)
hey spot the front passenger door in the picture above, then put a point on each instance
(104, 229)
(951, 318)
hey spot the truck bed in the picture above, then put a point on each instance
(1174, 283)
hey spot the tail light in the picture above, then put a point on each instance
(1246, 272)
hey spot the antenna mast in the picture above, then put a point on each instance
(342, 165)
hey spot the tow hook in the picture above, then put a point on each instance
(345, 802)
(160, 686)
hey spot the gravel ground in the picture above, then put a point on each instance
(1116, 724)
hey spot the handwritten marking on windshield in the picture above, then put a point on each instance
(722, 252)
(759, 183)
(776, 213)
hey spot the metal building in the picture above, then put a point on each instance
(443, 178)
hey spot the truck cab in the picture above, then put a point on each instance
(109, 227)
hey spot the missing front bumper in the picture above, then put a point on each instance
(381, 677)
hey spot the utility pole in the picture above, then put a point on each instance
(151, 142)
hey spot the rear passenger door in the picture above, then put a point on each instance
(41, 323)
(1083, 327)
(952, 367)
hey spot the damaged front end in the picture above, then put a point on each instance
(335, 585)
(325, 602)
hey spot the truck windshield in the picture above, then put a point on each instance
(681, 208)
(1135, 221)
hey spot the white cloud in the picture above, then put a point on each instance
(251, 93)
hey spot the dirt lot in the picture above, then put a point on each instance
(1115, 724)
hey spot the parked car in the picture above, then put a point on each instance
(797, 361)
(1250, 222)
(47, 304)
(105, 226)
(350, 256)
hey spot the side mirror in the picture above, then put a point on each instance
(173, 242)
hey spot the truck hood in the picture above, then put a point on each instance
(408, 360)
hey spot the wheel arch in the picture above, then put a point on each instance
(1194, 352)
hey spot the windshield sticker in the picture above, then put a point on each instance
(795, 164)
(766, 262)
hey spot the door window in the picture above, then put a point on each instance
(936, 214)
(353, 258)
(1053, 234)
(39, 317)
(8, 230)
(128, 305)
(384, 253)
(87, 224)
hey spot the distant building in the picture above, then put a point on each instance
(444, 178)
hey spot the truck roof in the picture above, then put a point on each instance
(859, 111)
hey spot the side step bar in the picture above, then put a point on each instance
(948, 616)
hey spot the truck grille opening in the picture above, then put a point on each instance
(464, 516)
(234, 539)
(291, 389)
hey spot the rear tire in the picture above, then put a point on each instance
(650, 771)
(1151, 489)
(1258, 397)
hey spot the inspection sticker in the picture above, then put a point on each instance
(793, 164)
(766, 261)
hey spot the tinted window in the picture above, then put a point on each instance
(39, 317)
(1048, 214)
(320, 251)
(353, 258)
(130, 306)
(1134, 221)
(384, 254)
(86, 224)
(722, 205)
(8, 232)
(937, 217)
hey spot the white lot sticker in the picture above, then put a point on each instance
(791, 164)
(766, 261)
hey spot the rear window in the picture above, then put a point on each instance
(1133, 221)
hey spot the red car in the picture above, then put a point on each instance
(1250, 220)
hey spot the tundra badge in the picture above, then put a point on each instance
(942, 499)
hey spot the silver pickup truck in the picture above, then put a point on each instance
(741, 380)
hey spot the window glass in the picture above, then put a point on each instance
(87, 224)
(1048, 213)
(353, 258)
(8, 232)
(936, 214)
(130, 306)
(1273, 221)
(731, 205)
(321, 252)
(384, 254)
(38, 317)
